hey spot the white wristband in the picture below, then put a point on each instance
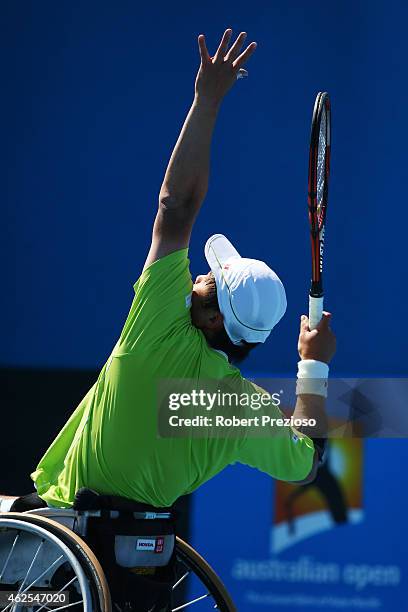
(312, 377)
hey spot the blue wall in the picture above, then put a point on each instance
(93, 98)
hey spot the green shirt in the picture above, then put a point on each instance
(110, 443)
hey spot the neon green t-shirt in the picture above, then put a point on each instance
(110, 443)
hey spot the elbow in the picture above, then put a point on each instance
(311, 476)
(177, 213)
(180, 202)
(171, 202)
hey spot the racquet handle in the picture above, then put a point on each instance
(315, 311)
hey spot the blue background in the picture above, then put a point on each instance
(94, 95)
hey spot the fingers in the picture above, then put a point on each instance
(324, 323)
(232, 55)
(304, 323)
(244, 57)
(219, 56)
(236, 47)
(205, 56)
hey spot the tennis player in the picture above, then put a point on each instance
(185, 330)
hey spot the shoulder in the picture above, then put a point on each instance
(175, 260)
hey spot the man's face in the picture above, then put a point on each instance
(203, 317)
(201, 284)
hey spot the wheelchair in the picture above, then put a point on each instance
(98, 557)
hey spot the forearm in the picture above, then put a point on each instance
(312, 407)
(186, 179)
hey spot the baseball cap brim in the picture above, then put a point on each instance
(218, 249)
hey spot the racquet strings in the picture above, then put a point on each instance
(321, 163)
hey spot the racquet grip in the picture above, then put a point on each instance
(315, 311)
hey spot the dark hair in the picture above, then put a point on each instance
(221, 340)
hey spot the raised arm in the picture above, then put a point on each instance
(186, 180)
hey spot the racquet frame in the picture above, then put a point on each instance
(317, 219)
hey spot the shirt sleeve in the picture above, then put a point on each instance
(162, 301)
(280, 451)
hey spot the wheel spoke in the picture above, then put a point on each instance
(9, 555)
(11, 606)
(60, 591)
(31, 566)
(43, 573)
(74, 603)
(190, 603)
(180, 580)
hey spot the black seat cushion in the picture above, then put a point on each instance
(28, 502)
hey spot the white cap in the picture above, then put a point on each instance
(250, 295)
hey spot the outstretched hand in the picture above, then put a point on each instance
(217, 74)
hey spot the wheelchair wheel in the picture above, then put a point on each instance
(193, 569)
(50, 558)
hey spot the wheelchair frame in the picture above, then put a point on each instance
(67, 526)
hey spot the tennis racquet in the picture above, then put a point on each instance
(318, 189)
